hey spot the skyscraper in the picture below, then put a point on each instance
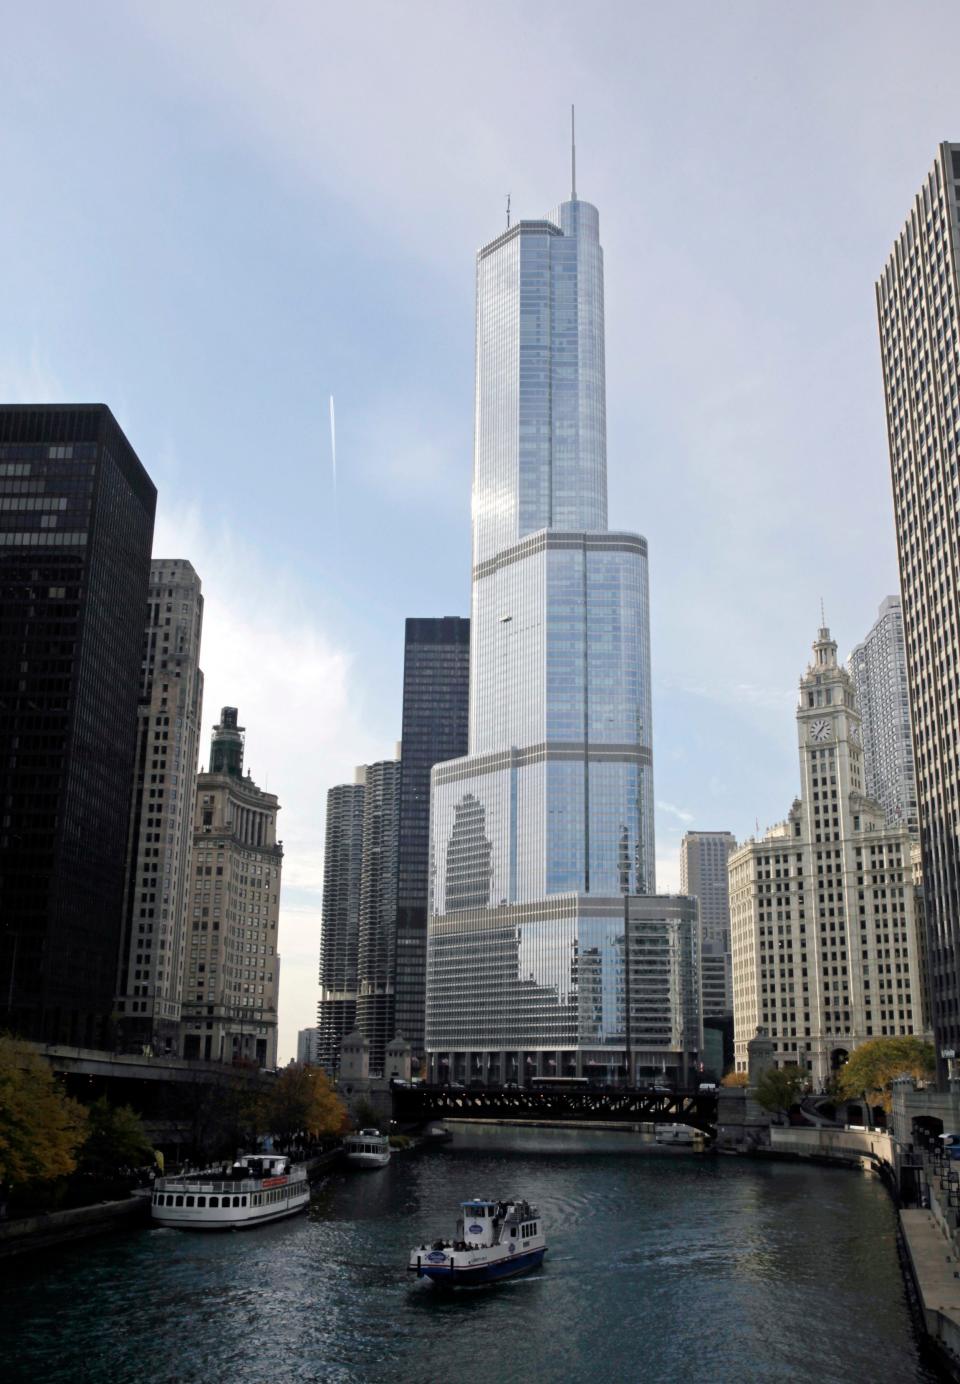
(826, 952)
(161, 817)
(76, 526)
(377, 920)
(340, 928)
(918, 311)
(703, 873)
(878, 667)
(539, 832)
(436, 686)
(231, 976)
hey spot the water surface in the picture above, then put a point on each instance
(663, 1265)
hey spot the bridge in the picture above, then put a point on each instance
(416, 1105)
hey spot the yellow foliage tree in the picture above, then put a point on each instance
(41, 1129)
(303, 1103)
(735, 1079)
(873, 1066)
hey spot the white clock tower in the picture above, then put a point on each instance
(831, 750)
(825, 942)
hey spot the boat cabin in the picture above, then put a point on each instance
(484, 1222)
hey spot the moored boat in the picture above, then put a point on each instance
(493, 1240)
(367, 1149)
(258, 1188)
(675, 1134)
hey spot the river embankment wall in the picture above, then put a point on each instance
(28, 1233)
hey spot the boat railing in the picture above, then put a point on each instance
(193, 1184)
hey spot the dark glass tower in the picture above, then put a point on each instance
(436, 697)
(76, 526)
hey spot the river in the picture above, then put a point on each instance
(664, 1265)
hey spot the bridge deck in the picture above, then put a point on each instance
(414, 1105)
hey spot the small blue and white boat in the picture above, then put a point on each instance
(493, 1240)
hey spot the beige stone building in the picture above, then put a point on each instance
(232, 970)
(824, 923)
(150, 972)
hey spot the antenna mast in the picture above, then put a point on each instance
(573, 155)
(508, 211)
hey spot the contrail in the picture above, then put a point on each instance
(333, 444)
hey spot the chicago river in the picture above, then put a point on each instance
(663, 1265)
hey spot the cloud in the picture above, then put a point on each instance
(679, 812)
(264, 652)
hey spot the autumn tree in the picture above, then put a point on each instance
(735, 1079)
(779, 1088)
(872, 1068)
(40, 1127)
(303, 1104)
(115, 1141)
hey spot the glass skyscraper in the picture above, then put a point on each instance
(436, 674)
(539, 832)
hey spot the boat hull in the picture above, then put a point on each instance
(176, 1219)
(475, 1275)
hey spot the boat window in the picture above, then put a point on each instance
(214, 1201)
(243, 1201)
(236, 1201)
(179, 1201)
(201, 1201)
(513, 1231)
(189, 1201)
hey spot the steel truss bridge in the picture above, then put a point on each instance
(416, 1105)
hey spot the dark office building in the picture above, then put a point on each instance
(436, 674)
(76, 526)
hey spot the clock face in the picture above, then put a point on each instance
(819, 731)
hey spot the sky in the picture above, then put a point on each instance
(216, 216)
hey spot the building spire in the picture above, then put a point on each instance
(573, 155)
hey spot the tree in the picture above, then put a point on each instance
(303, 1104)
(40, 1127)
(115, 1140)
(874, 1065)
(735, 1079)
(779, 1088)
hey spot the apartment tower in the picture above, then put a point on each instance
(340, 921)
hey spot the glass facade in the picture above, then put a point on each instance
(436, 673)
(546, 824)
(76, 526)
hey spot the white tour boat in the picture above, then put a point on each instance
(675, 1134)
(494, 1239)
(368, 1149)
(258, 1188)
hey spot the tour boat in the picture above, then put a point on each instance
(368, 1149)
(258, 1188)
(494, 1239)
(675, 1134)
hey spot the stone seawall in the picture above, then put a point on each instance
(864, 1147)
(28, 1233)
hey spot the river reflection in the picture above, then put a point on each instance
(663, 1265)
